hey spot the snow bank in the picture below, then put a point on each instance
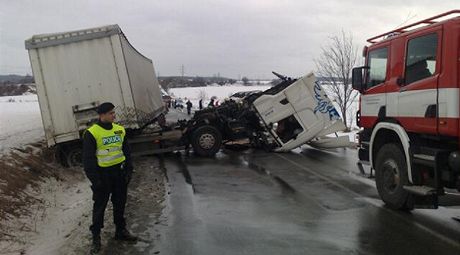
(66, 210)
(20, 121)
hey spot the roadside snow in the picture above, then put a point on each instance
(65, 205)
(20, 121)
(72, 208)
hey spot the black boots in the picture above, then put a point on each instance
(124, 235)
(96, 245)
(121, 235)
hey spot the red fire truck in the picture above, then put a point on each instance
(409, 111)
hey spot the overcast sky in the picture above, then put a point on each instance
(234, 38)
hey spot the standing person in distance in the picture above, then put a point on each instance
(189, 107)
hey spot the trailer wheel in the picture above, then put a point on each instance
(70, 155)
(74, 157)
(391, 176)
(206, 141)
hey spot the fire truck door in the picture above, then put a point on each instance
(418, 96)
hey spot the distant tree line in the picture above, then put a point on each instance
(17, 89)
(16, 79)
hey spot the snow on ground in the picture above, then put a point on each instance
(64, 206)
(20, 121)
(221, 92)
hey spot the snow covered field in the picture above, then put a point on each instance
(20, 121)
(221, 92)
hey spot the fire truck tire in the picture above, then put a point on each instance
(206, 141)
(391, 176)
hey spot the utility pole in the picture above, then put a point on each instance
(182, 70)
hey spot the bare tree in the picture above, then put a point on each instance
(245, 81)
(334, 66)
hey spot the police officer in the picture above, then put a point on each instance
(107, 164)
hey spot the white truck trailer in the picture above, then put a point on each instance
(76, 71)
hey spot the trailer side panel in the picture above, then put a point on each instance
(144, 84)
(70, 81)
(77, 70)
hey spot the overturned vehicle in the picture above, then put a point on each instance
(284, 117)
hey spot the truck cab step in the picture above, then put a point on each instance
(424, 157)
(420, 190)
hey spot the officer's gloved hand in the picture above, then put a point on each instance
(127, 171)
(128, 176)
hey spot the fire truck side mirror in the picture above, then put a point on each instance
(357, 78)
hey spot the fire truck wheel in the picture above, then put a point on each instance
(391, 176)
(206, 141)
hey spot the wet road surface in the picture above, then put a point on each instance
(305, 202)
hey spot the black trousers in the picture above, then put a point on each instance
(112, 185)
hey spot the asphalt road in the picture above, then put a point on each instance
(306, 202)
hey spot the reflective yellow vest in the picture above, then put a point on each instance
(109, 144)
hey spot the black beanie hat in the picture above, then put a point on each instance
(105, 107)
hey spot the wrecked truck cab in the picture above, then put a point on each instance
(284, 117)
(301, 113)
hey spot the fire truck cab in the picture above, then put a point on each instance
(409, 111)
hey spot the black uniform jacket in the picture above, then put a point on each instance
(92, 169)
